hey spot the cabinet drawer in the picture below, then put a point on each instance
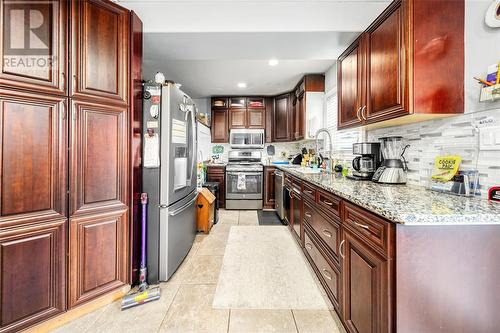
(326, 231)
(369, 227)
(215, 169)
(309, 191)
(329, 203)
(327, 274)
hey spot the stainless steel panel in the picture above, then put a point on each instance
(177, 233)
(253, 188)
(178, 157)
(279, 182)
(243, 204)
(247, 138)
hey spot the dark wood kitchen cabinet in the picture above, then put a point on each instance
(33, 271)
(40, 67)
(269, 187)
(401, 64)
(98, 255)
(66, 157)
(386, 91)
(217, 174)
(282, 118)
(98, 158)
(100, 51)
(237, 118)
(256, 118)
(220, 128)
(367, 286)
(98, 225)
(34, 158)
(348, 86)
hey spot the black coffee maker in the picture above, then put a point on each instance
(369, 160)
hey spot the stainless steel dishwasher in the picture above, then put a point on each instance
(279, 185)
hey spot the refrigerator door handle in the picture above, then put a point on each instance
(193, 143)
(184, 207)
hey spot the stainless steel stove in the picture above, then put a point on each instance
(244, 179)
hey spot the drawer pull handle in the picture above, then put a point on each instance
(307, 214)
(328, 202)
(308, 191)
(290, 194)
(364, 226)
(309, 246)
(327, 233)
(340, 249)
(326, 274)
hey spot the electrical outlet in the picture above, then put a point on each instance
(489, 138)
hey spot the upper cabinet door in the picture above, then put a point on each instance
(349, 85)
(237, 118)
(387, 90)
(33, 45)
(255, 118)
(281, 118)
(99, 51)
(33, 148)
(98, 158)
(220, 127)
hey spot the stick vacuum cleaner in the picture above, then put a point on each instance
(145, 293)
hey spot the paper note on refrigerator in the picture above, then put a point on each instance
(151, 151)
(179, 131)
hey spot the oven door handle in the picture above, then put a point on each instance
(245, 173)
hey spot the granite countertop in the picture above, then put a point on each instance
(406, 204)
(211, 164)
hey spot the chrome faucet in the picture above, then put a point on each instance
(324, 130)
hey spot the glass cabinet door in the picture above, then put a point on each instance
(219, 103)
(238, 102)
(256, 103)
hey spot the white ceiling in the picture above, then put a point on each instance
(210, 46)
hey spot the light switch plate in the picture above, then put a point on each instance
(489, 138)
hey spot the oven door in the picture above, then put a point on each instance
(251, 188)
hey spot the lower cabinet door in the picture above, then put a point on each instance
(97, 255)
(366, 287)
(32, 274)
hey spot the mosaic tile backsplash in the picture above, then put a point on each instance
(455, 135)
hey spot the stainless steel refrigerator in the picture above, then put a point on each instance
(169, 177)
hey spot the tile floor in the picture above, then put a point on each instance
(186, 300)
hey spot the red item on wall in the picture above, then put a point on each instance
(494, 193)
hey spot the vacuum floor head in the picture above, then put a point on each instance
(139, 298)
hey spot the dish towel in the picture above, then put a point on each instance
(242, 184)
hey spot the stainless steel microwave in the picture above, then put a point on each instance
(246, 138)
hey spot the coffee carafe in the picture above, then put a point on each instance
(367, 163)
(394, 166)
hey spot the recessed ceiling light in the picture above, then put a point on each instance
(242, 85)
(273, 62)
